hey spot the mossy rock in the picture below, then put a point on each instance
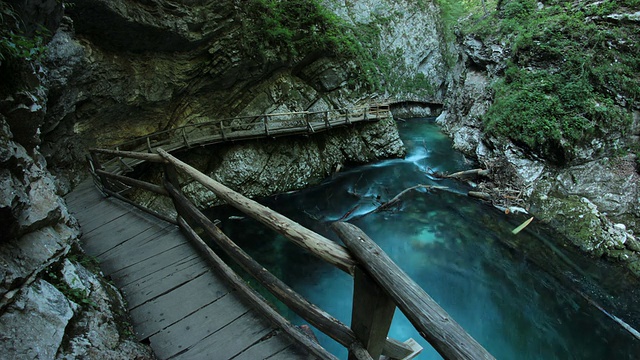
(574, 217)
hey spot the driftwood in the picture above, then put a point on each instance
(432, 322)
(468, 173)
(396, 198)
(480, 195)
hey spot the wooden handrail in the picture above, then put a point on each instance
(340, 113)
(246, 291)
(379, 285)
(308, 311)
(316, 244)
(150, 157)
(432, 321)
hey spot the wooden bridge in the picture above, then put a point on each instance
(188, 304)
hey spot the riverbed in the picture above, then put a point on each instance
(523, 296)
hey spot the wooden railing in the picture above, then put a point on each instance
(247, 128)
(379, 284)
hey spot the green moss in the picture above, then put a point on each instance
(567, 74)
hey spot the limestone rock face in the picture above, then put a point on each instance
(593, 200)
(269, 167)
(33, 326)
(410, 35)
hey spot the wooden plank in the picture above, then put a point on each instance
(432, 321)
(163, 281)
(145, 241)
(168, 309)
(270, 346)
(114, 233)
(95, 217)
(230, 340)
(102, 245)
(148, 266)
(256, 301)
(204, 328)
(291, 352)
(371, 315)
(120, 260)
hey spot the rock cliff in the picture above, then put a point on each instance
(592, 198)
(107, 71)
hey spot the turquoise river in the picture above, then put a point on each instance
(521, 296)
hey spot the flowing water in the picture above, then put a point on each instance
(521, 296)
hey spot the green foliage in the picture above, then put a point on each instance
(13, 43)
(295, 28)
(77, 295)
(568, 74)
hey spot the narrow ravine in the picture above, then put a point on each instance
(521, 296)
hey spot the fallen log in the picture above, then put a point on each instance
(468, 173)
(480, 195)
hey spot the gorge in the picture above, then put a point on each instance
(106, 71)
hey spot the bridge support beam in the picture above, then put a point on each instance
(371, 315)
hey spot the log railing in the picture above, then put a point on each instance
(248, 127)
(379, 284)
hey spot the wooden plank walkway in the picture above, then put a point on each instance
(215, 132)
(177, 303)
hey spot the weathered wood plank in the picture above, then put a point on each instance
(169, 308)
(139, 249)
(199, 327)
(102, 245)
(163, 281)
(270, 346)
(230, 340)
(253, 297)
(146, 239)
(291, 352)
(99, 215)
(114, 233)
(136, 271)
(431, 320)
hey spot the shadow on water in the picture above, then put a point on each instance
(521, 296)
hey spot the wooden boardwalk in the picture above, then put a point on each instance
(177, 303)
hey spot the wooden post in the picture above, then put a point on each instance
(130, 154)
(431, 321)
(326, 120)
(372, 313)
(224, 137)
(98, 166)
(148, 145)
(306, 120)
(134, 182)
(184, 137)
(265, 119)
